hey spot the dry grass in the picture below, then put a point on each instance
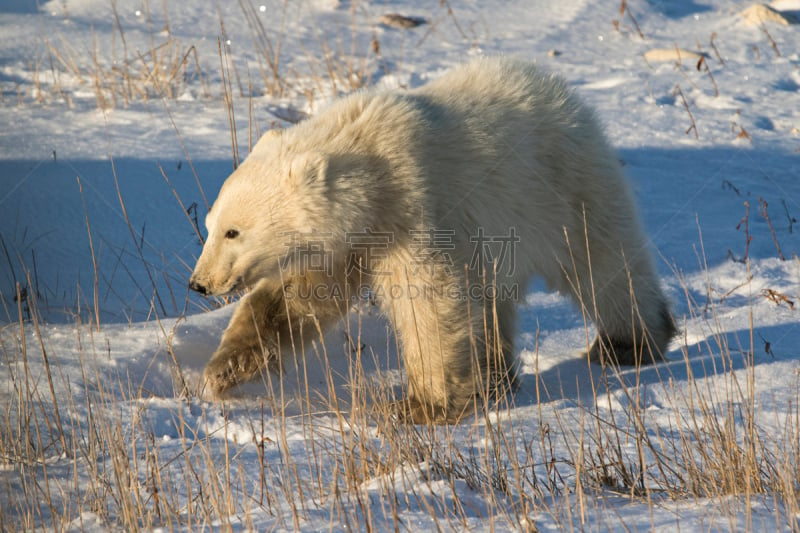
(241, 464)
(165, 70)
(305, 453)
(338, 59)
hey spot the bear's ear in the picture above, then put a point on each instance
(266, 140)
(309, 167)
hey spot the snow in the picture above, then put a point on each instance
(707, 146)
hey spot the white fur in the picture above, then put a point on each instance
(494, 144)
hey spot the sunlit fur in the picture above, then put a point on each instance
(494, 144)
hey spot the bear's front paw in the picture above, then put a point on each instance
(231, 366)
(219, 376)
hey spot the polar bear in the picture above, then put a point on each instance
(444, 201)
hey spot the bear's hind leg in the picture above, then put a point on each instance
(644, 344)
(634, 328)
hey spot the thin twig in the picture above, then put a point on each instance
(228, 97)
(764, 214)
(748, 238)
(625, 10)
(678, 91)
(703, 64)
(772, 42)
(96, 285)
(716, 50)
(789, 217)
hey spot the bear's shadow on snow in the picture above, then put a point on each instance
(576, 380)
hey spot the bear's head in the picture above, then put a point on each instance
(272, 196)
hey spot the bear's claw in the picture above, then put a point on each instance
(229, 367)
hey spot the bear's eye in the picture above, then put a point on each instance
(231, 234)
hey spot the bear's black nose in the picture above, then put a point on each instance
(197, 287)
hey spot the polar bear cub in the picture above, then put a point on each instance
(444, 201)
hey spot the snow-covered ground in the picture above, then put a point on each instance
(116, 137)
